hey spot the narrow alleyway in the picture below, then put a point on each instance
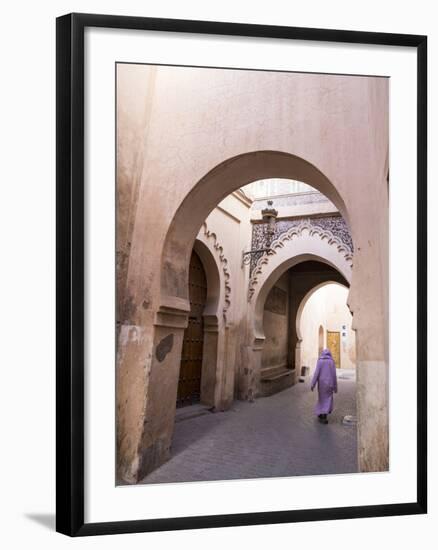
(275, 436)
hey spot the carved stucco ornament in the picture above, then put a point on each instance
(224, 263)
(295, 232)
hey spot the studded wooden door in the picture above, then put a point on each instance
(334, 345)
(189, 385)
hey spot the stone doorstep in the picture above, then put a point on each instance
(267, 372)
(276, 382)
(191, 411)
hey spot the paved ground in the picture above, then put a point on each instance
(275, 436)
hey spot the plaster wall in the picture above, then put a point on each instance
(276, 325)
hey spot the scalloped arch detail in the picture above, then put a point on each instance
(293, 233)
(211, 235)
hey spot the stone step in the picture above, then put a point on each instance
(277, 381)
(267, 372)
(278, 376)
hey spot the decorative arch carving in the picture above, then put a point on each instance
(296, 232)
(218, 248)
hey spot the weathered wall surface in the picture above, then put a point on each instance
(134, 106)
(276, 325)
(186, 140)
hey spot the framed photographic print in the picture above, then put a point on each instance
(241, 274)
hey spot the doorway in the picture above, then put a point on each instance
(334, 345)
(189, 383)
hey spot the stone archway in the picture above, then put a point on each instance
(209, 191)
(301, 244)
(170, 315)
(308, 242)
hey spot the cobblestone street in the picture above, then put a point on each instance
(275, 436)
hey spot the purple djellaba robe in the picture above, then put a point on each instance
(325, 376)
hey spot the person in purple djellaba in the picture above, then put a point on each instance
(325, 377)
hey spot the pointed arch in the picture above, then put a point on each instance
(210, 190)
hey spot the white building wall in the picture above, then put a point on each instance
(327, 306)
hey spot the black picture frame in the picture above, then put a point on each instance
(70, 272)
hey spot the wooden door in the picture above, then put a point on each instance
(189, 384)
(334, 345)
